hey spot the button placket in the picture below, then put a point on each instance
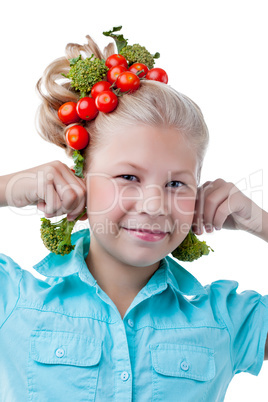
(130, 323)
(124, 376)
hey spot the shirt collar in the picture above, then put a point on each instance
(55, 266)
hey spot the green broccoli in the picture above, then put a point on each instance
(57, 236)
(191, 248)
(133, 53)
(139, 54)
(84, 73)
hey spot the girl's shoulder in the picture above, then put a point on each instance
(9, 269)
(10, 278)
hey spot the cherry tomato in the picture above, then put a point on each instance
(77, 137)
(116, 60)
(136, 67)
(100, 87)
(86, 108)
(128, 81)
(106, 101)
(114, 72)
(157, 74)
(67, 113)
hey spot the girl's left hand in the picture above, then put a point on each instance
(220, 204)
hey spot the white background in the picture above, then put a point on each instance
(214, 51)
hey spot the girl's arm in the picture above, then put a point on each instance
(221, 204)
(53, 187)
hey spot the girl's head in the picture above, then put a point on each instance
(154, 104)
(156, 128)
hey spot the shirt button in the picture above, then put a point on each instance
(130, 323)
(60, 352)
(124, 376)
(184, 366)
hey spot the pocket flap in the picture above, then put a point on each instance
(56, 347)
(188, 361)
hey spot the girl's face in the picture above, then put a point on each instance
(144, 178)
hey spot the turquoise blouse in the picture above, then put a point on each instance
(63, 339)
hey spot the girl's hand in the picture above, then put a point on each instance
(220, 204)
(53, 187)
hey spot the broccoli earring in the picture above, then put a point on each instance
(191, 248)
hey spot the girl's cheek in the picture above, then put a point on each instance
(184, 206)
(102, 195)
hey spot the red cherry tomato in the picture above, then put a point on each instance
(136, 67)
(106, 101)
(77, 137)
(86, 108)
(114, 72)
(116, 60)
(100, 87)
(157, 74)
(128, 81)
(67, 113)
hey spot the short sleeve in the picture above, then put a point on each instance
(245, 315)
(10, 277)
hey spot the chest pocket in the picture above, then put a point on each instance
(181, 372)
(63, 366)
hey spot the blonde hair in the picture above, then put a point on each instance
(154, 104)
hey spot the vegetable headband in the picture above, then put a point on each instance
(99, 84)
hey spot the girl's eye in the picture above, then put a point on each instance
(179, 182)
(125, 176)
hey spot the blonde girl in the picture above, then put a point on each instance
(118, 318)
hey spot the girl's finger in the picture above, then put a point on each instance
(71, 190)
(221, 215)
(213, 201)
(62, 191)
(52, 199)
(198, 220)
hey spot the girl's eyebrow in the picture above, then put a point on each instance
(145, 170)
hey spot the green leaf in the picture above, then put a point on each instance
(156, 55)
(78, 163)
(120, 41)
(75, 60)
(115, 29)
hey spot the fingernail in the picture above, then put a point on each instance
(217, 228)
(209, 229)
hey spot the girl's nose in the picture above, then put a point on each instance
(152, 201)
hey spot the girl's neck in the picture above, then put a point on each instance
(119, 281)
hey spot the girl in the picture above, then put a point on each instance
(118, 318)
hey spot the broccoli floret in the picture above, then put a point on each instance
(191, 248)
(133, 53)
(84, 73)
(139, 54)
(57, 236)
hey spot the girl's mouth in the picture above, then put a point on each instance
(147, 235)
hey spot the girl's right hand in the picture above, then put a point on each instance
(53, 187)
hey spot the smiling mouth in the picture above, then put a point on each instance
(147, 231)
